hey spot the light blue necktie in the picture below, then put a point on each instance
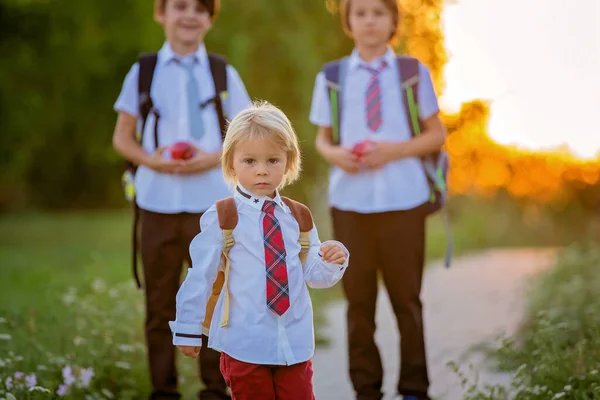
(193, 98)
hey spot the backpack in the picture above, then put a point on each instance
(228, 218)
(147, 65)
(435, 165)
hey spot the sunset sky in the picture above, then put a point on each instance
(538, 61)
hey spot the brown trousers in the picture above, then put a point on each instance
(394, 243)
(165, 241)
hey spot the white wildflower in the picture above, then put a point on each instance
(2, 320)
(99, 286)
(107, 393)
(559, 395)
(126, 348)
(77, 341)
(5, 336)
(39, 389)
(9, 396)
(122, 365)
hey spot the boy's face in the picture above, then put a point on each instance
(259, 165)
(186, 22)
(371, 23)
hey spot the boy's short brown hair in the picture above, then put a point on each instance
(344, 8)
(212, 6)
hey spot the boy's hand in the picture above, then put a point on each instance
(161, 164)
(190, 351)
(344, 159)
(379, 154)
(201, 161)
(333, 253)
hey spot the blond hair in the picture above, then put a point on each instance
(262, 120)
(344, 8)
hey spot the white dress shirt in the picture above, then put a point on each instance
(398, 185)
(170, 193)
(254, 334)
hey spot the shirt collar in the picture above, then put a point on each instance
(355, 61)
(246, 196)
(166, 54)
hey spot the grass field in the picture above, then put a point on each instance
(67, 297)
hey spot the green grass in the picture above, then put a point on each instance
(557, 353)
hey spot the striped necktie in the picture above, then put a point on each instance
(278, 290)
(373, 98)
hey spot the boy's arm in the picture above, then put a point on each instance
(124, 136)
(205, 251)
(320, 115)
(320, 274)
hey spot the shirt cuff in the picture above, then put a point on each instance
(186, 334)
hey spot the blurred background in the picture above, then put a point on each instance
(517, 81)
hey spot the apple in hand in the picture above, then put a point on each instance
(361, 147)
(181, 151)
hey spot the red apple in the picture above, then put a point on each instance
(181, 151)
(360, 148)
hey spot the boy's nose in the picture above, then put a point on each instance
(261, 171)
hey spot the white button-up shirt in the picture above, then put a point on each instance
(254, 334)
(170, 193)
(398, 185)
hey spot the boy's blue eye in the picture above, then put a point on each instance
(248, 160)
(274, 160)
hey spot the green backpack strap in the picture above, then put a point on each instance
(335, 74)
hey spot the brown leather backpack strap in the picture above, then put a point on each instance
(228, 219)
(304, 218)
(227, 213)
(301, 213)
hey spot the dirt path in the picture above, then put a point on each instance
(466, 308)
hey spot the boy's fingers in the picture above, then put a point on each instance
(161, 150)
(326, 250)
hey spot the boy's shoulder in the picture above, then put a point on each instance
(301, 213)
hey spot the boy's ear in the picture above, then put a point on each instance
(159, 12)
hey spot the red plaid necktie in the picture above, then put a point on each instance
(373, 98)
(278, 291)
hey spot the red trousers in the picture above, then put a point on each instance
(267, 382)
